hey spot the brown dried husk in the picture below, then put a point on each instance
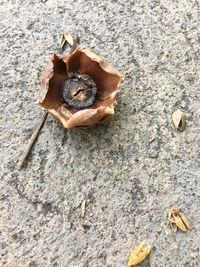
(139, 253)
(178, 220)
(59, 70)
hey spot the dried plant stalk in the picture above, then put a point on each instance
(32, 141)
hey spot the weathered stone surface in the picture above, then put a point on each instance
(129, 170)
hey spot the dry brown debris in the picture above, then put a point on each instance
(179, 120)
(178, 220)
(139, 253)
(83, 208)
(63, 68)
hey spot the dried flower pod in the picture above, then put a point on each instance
(178, 220)
(139, 253)
(79, 89)
(179, 120)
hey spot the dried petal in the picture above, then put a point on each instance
(178, 220)
(105, 76)
(139, 253)
(179, 119)
(88, 117)
(66, 38)
(52, 81)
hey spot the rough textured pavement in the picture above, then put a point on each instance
(129, 170)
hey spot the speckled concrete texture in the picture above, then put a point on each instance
(128, 170)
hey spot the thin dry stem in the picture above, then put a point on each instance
(32, 141)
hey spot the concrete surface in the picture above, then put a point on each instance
(129, 170)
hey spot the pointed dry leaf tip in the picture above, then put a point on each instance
(179, 120)
(66, 38)
(178, 220)
(139, 253)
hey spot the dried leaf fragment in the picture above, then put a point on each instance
(139, 253)
(83, 208)
(178, 220)
(66, 38)
(179, 120)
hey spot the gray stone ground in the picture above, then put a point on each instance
(129, 170)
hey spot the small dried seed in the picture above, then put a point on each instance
(79, 91)
(179, 120)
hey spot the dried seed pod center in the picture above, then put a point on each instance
(80, 91)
